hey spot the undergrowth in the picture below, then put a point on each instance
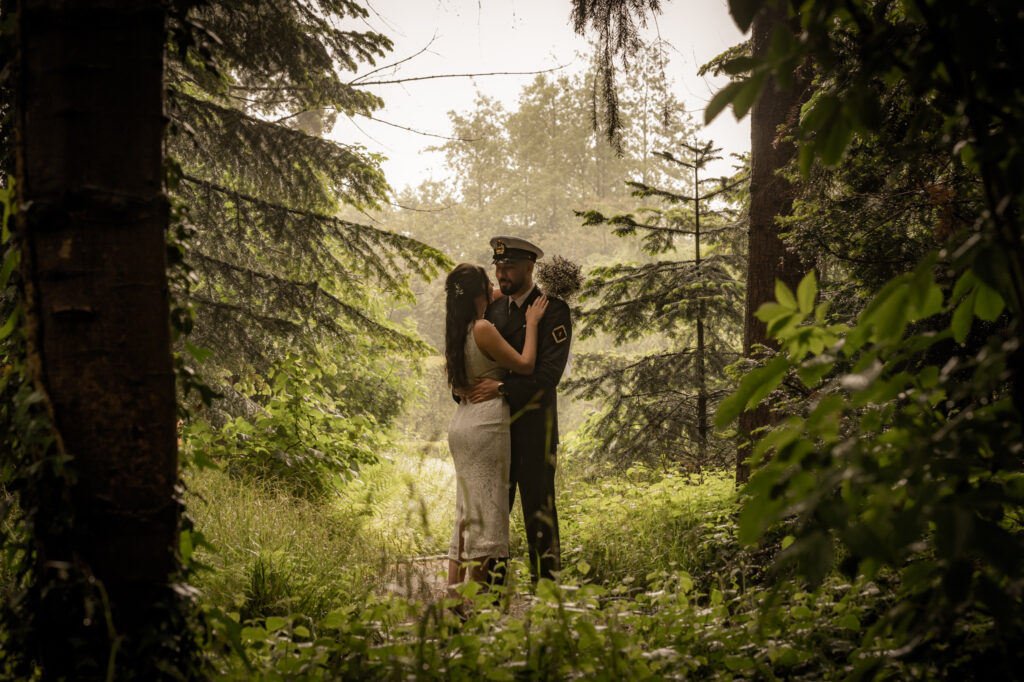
(655, 586)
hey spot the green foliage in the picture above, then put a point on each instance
(674, 517)
(902, 463)
(295, 435)
(656, 586)
(956, 62)
(275, 272)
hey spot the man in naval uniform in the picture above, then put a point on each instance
(532, 399)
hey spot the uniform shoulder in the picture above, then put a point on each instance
(555, 303)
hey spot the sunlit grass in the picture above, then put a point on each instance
(276, 554)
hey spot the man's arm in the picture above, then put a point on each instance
(554, 337)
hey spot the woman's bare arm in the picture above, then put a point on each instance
(498, 349)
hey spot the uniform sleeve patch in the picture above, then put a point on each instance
(559, 334)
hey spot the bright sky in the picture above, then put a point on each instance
(475, 36)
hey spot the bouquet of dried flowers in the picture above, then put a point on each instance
(559, 277)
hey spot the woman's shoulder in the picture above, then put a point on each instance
(482, 329)
(486, 336)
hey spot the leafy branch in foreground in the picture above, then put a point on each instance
(907, 465)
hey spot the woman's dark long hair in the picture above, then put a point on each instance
(462, 287)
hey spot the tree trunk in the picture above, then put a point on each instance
(92, 226)
(771, 196)
(702, 388)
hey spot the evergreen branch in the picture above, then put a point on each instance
(675, 230)
(354, 234)
(266, 320)
(235, 113)
(643, 190)
(312, 286)
(421, 210)
(269, 159)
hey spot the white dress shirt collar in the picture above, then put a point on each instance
(520, 300)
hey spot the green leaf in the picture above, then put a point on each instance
(988, 304)
(962, 318)
(770, 311)
(336, 619)
(806, 158)
(932, 302)
(752, 389)
(850, 622)
(775, 328)
(731, 407)
(747, 95)
(10, 262)
(784, 295)
(721, 100)
(200, 354)
(766, 379)
(963, 285)
(739, 65)
(275, 623)
(806, 292)
(743, 12)
(11, 324)
(185, 547)
(251, 634)
(818, 111)
(832, 141)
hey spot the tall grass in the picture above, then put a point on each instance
(624, 526)
(277, 554)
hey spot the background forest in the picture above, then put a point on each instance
(792, 416)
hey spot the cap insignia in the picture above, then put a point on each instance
(499, 248)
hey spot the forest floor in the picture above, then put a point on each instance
(366, 570)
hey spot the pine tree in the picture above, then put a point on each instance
(659, 402)
(277, 267)
(279, 275)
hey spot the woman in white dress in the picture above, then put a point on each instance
(478, 435)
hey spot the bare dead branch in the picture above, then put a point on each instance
(463, 75)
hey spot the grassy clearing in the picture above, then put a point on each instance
(654, 586)
(277, 554)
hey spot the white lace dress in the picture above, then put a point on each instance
(481, 446)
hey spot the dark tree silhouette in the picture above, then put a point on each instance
(771, 196)
(92, 228)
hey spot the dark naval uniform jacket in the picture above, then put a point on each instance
(533, 405)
